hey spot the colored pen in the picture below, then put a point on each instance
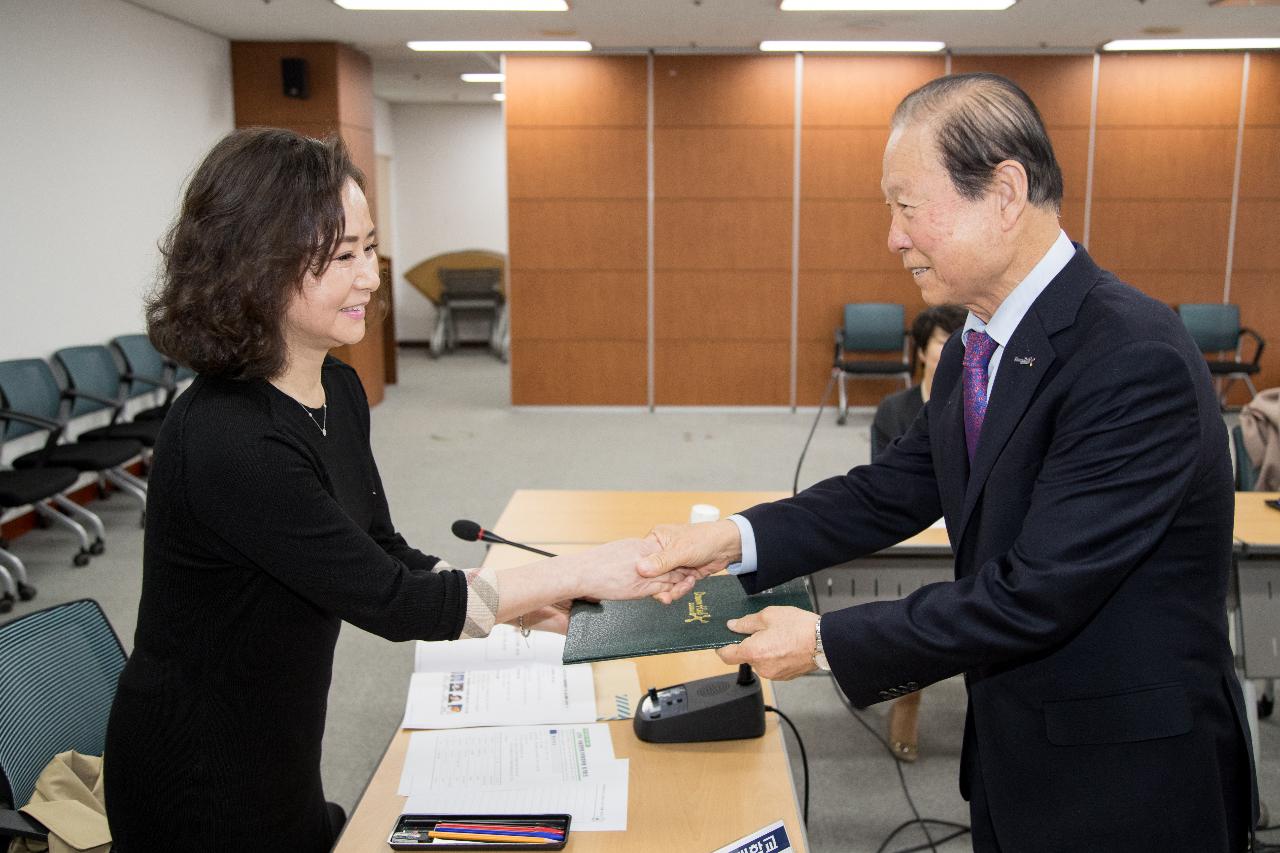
(499, 827)
(553, 834)
(487, 836)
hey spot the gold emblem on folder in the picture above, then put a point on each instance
(698, 611)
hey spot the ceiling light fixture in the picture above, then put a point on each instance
(484, 78)
(854, 46)
(1193, 44)
(454, 5)
(896, 5)
(500, 46)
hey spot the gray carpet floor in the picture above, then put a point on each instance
(450, 446)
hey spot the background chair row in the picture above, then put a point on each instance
(95, 379)
(878, 330)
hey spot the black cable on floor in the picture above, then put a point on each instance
(804, 759)
(916, 820)
(960, 829)
(795, 482)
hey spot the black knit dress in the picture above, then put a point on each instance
(262, 537)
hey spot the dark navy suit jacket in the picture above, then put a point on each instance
(1092, 539)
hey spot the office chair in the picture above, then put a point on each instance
(33, 403)
(146, 370)
(871, 327)
(34, 487)
(94, 383)
(1216, 329)
(474, 291)
(58, 673)
(1246, 471)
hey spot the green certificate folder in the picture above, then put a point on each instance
(628, 629)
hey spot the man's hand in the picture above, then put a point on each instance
(781, 644)
(690, 552)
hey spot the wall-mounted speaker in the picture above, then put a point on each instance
(293, 73)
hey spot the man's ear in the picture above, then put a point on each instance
(1010, 188)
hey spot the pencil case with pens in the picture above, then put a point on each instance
(480, 832)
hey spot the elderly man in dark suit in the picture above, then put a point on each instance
(1074, 446)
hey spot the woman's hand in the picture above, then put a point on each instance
(553, 618)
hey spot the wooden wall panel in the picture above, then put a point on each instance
(570, 372)
(708, 305)
(1169, 90)
(581, 305)
(1180, 235)
(258, 89)
(1189, 164)
(1259, 177)
(576, 178)
(702, 372)
(723, 234)
(723, 162)
(1255, 278)
(723, 166)
(576, 91)
(578, 162)
(862, 91)
(1163, 174)
(571, 234)
(844, 225)
(723, 91)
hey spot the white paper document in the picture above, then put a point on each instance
(597, 806)
(519, 769)
(505, 646)
(518, 695)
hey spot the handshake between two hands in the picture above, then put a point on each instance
(667, 564)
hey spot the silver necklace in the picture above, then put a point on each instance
(324, 407)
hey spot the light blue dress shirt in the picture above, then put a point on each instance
(1000, 327)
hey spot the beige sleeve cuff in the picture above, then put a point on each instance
(482, 603)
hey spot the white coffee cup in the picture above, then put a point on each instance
(703, 512)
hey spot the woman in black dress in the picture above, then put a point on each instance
(267, 526)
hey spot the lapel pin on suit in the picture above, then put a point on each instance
(1025, 360)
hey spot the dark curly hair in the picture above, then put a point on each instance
(263, 208)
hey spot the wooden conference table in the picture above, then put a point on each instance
(697, 796)
(706, 795)
(1256, 586)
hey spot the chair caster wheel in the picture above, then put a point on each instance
(1265, 706)
(26, 592)
(97, 547)
(6, 603)
(840, 419)
(81, 558)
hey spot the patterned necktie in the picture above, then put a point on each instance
(977, 354)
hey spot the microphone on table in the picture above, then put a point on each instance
(469, 531)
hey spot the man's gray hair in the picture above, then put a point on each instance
(980, 120)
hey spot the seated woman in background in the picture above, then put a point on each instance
(930, 331)
(267, 525)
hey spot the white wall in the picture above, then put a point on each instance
(450, 193)
(107, 108)
(384, 139)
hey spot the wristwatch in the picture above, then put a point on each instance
(819, 655)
